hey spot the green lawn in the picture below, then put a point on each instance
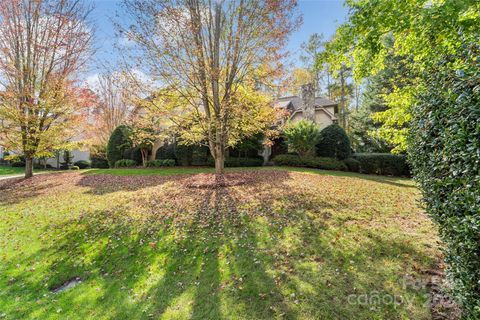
(9, 171)
(278, 244)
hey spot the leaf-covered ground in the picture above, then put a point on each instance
(272, 244)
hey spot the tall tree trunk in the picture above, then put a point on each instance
(343, 115)
(28, 167)
(144, 153)
(219, 160)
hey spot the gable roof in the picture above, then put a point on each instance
(295, 103)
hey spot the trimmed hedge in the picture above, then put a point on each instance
(125, 163)
(310, 162)
(99, 162)
(243, 162)
(383, 164)
(445, 153)
(239, 162)
(161, 163)
(133, 154)
(334, 143)
(353, 165)
(82, 164)
(18, 164)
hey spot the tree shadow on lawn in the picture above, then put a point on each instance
(390, 180)
(144, 267)
(101, 184)
(218, 259)
(16, 190)
(336, 279)
(227, 256)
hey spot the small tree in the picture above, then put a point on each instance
(334, 143)
(44, 44)
(302, 136)
(143, 138)
(119, 141)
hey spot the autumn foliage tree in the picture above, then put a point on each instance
(43, 44)
(204, 50)
(113, 105)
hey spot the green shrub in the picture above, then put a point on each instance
(167, 151)
(161, 163)
(248, 147)
(82, 164)
(133, 154)
(302, 136)
(99, 162)
(445, 154)
(74, 168)
(310, 162)
(125, 163)
(243, 162)
(184, 155)
(119, 142)
(239, 162)
(334, 143)
(352, 164)
(18, 164)
(383, 164)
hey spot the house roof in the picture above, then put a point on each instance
(295, 103)
(327, 112)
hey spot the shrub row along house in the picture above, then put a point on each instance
(251, 151)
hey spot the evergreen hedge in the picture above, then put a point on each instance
(310, 162)
(125, 163)
(445, 153)
(382, 163)
(161, 163)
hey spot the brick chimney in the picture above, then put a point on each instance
(308, 97)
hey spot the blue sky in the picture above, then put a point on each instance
(321, 16)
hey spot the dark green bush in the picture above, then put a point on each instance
(167, 151)
(243, 162)
(18, 164)
(98, 156)
(353, 165)
(310, 162)
(184, 155)
(82, 164)
(334, 143)
(239, 162)
(133, 154)
(125, 163)
(99, 162)
(248, 148)
(445, 154)
(119, 142)
(161, 163)
(383, 164)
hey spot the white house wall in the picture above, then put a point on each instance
(77, 156)
(321, 118)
